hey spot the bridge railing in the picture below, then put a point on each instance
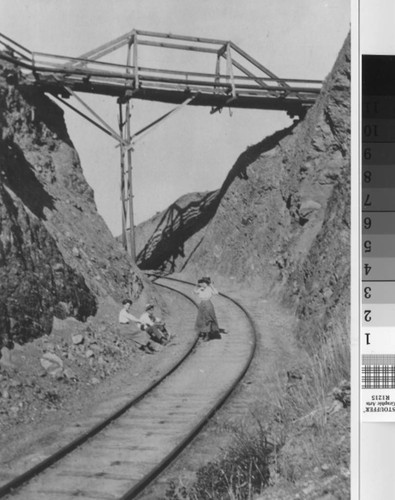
(14, 50)
(94, 71)
(242, 75)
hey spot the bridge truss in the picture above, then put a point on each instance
(235, 80)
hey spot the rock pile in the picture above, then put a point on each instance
(40, 376)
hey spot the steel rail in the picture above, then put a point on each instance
(153, 474)
(139, 487)
(76, 443)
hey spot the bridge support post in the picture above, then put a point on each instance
(132, 241)
(122, 179)
(128, 236)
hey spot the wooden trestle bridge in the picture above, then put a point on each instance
(242, 83)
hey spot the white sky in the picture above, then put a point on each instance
(194, 150)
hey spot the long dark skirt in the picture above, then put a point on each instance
(158, 333)
(206, 321)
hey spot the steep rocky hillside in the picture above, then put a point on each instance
(161, 239)
(281, 219)
(57, 256)
(277, 233)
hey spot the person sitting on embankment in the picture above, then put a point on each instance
(139, 336)
(154, 326)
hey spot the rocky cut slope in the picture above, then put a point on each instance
(52, 262)
(281, 219)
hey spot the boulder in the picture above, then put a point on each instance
(52, 364)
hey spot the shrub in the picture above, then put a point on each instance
(240, 473)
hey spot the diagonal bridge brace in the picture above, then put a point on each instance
(105, 127)
(144, 131)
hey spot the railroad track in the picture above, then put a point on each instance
(124, 452)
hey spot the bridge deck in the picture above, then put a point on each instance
(177, 93)
(245, 84)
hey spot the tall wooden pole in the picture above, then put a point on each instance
(122, 184)
(132, 242)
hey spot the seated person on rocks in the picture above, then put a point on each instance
(155, 328)
(139, 336)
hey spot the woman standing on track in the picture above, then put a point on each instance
(206, 321)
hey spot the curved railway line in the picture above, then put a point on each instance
(122, 453)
